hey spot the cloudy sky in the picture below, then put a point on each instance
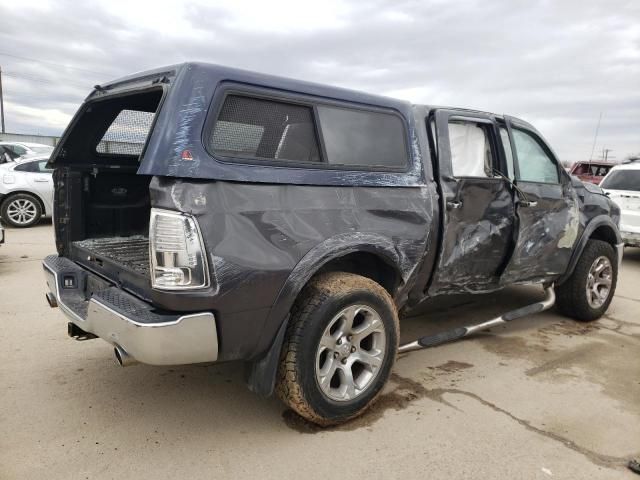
(555, 63)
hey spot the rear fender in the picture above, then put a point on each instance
(261, 373)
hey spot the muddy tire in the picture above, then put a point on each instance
(587, 293)
(340, 346)
(21, 210)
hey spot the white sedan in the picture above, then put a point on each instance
(622, 184)
(26, 192)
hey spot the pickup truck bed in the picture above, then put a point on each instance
(131, 253)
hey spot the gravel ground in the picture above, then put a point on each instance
(544, 397)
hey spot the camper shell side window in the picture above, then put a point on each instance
(274, 129)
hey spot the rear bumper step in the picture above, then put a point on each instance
(147, 335)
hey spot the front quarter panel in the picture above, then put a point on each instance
(596, 211)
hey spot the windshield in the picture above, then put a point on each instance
(622, 180)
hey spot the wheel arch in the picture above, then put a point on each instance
(369, 255)
(602, 228)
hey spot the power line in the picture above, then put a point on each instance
(18, 97)
(54, 64)
(35, 78)
(595, 137)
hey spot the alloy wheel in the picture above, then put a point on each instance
(599, 282)
(351, 353)
(21, 211)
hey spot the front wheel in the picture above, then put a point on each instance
(587, 293)
(339, 349)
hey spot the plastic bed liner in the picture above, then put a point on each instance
(131, 253)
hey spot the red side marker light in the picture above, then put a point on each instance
(186, 155)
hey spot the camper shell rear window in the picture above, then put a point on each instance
(116, 126)
(127, 134)
(125, 123)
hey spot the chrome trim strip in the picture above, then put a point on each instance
(409, 347)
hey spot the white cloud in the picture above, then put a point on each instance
(556, 64)
(43, 118)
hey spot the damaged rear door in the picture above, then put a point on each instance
(477, 223)
(547, 208)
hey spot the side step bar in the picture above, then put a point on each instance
(461, 332)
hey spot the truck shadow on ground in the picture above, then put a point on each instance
(632, 254)
(202, 397)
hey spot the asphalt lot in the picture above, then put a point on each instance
(545, 397)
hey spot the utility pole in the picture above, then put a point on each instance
(1, 104)
(595, 138)
(605, 153)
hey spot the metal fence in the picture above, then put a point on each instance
(22, 137)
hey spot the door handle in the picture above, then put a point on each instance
(454, 205)
(41, 180)
(528, 203)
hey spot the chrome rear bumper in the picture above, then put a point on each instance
(127, 322)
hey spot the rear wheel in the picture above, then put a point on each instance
(21, 210)
(340, 347)
(587, 293)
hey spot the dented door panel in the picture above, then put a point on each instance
(547, 209)
(546, 233)
(477, 222)
(477, 240)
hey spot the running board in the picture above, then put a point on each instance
(461, 332)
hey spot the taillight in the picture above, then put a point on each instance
(177, 253)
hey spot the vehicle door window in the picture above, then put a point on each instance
(42, 167)
(506, 144)
(470, 149)
(534, 164)
(18, 150)
(28, 167)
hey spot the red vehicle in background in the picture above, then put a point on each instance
(592, 172)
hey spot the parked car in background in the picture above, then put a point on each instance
(22, 149)
(622, 184)
(592, 172)
(26, 191)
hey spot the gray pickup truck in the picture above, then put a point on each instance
(208, 214)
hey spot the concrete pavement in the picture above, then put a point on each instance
(544, 397)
